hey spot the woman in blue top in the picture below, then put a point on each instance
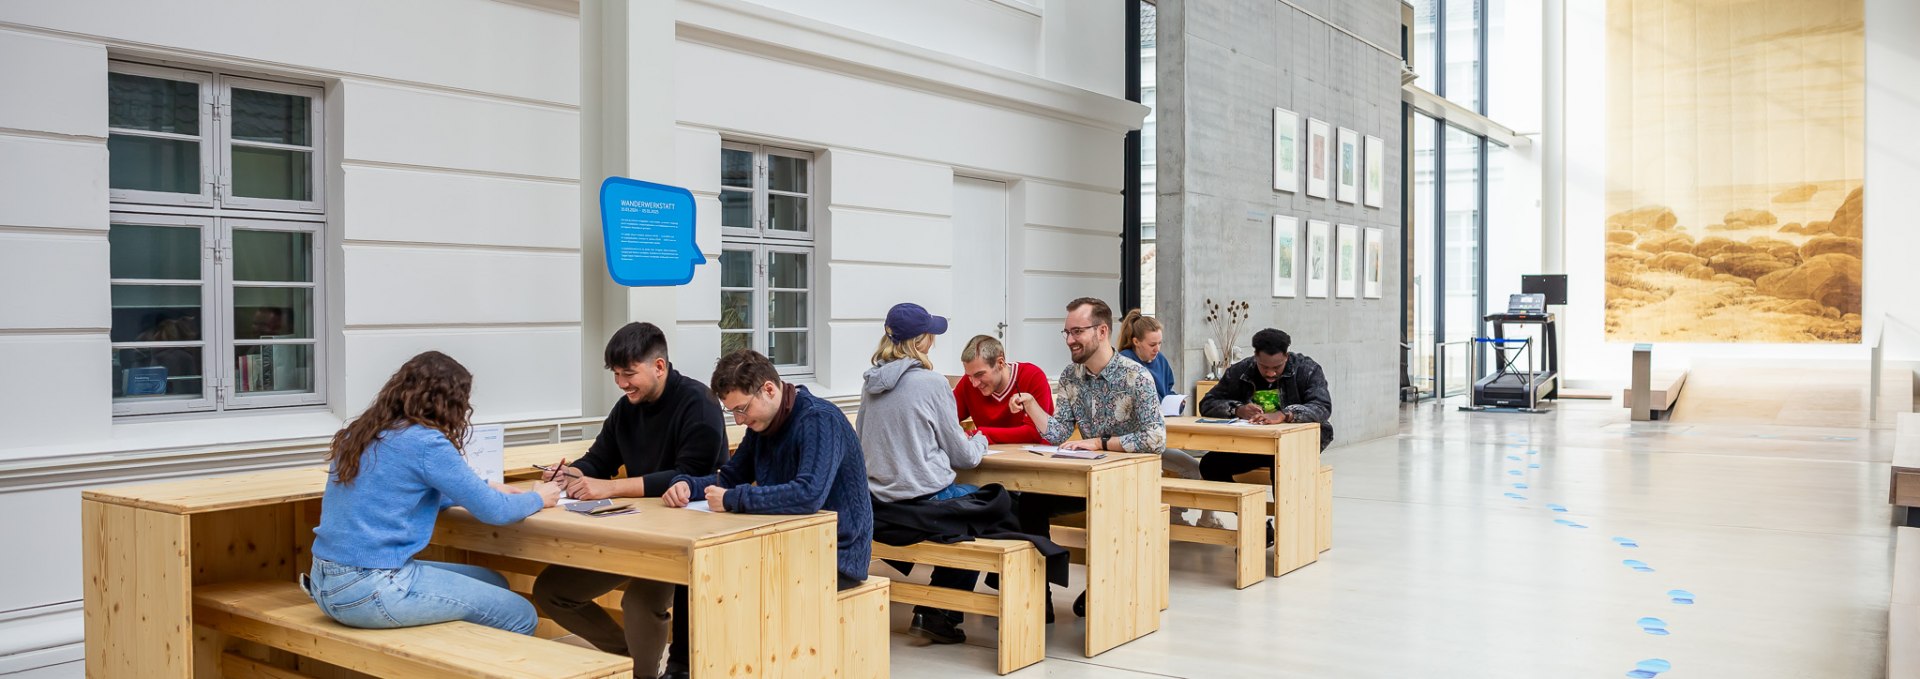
(391, 472)
(1140, 341)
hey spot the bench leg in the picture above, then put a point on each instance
(1250, 548)
(1323, 510)
(1023, 612)
(1163, 565)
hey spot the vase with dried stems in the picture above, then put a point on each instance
(1225, 321)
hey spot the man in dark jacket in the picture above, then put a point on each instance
(667, 425)
(1274, 387)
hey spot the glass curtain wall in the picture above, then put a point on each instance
(1148, 180)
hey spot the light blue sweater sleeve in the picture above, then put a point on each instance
(442, 469)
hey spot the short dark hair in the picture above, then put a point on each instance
(635, 343)
(742, 370)
(1102, 314)
(1271, 342)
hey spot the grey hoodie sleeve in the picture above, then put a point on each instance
(963, 451)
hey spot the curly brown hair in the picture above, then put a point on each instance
(430, 389)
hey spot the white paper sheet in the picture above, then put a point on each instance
(1043, 450)
(486, 451)
(1173, 405)
(700, 506)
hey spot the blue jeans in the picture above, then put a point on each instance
(418, 593)
(954, 490)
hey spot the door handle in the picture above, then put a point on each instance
(1000, 330)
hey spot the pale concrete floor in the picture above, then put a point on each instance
(1781, 533)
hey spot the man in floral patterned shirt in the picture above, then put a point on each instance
(1114, 405)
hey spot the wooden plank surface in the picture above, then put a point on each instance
(1193, 425)
(863, 614)
(1123, 523)
(278, 614)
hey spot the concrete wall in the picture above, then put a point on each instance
(1223, 66)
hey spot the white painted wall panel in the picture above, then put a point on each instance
(1072, 208)
(851, 353)
(696, 159)
(70, 392)
(54, 533)
(1047, 349)
(404, 205)
(696, 347)
(518, 374)
(49, 183)
(1065, 251)
(1045, 296)
(891, 183)
(699, 299)
(986, 31)
(867, 236)
(1077, 43)
(419, 286)
(64, 91)
(841, 112)
(866, 291)
(53, 280)
(479, 46)
(420, 127)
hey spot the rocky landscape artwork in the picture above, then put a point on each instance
(1735, 171)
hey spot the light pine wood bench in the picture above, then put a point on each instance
(864, 649)
(281, 616)
(1020, 604)
(1248, 537)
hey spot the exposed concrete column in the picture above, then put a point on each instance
(627, 119)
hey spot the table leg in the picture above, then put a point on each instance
(1296, 471)
(138, 609)
(765, 606)
(1122, 598)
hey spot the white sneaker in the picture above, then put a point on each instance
(1208, 520)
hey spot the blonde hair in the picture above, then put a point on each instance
(1135, 326)
(983, 347)
(890, 351)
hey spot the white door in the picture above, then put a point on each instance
(979, 269)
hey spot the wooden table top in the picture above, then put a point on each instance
(1193, 425)
(655, 525)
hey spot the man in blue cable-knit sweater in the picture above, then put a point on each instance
(800, 456)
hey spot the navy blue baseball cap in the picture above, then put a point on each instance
(907, 320)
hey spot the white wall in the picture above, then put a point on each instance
(1892, 166)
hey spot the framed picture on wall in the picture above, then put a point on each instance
(1374, 257)
(1319, 152)
(1347, 276)
(1347, 167)
(1319, 257)
(1286, 255)
(1375, 192)
(1286, 150)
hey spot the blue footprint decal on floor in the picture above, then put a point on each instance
(1649, 668)
(1513, 472)
(1515, 458)
(1681, 596)
(1638, 566)
(1535, 465)
(1569, 524)
(1626, 542)
(1653, 626)
(1557, 508)
(1516, 496)
(1520, 486)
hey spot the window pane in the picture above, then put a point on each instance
(149, 164)
(156, 313)
(787, 309)
(786, 174)
(272, 313)
(272, 117)
(736, 209)
(280, 367)
(166, 371)
(137, 102)
(736, 310)
(736, 268)
(1426, 55)
(732, 341)
(1425, 314)
(1463, 53)
(272, 173)
(153, 252)
(278, 256)
(1460, 189)
(787, 348)
(787, 270)
(736, 168)
(787, 213)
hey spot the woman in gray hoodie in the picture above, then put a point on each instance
(913, 442)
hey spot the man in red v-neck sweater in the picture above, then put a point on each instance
(991, 380)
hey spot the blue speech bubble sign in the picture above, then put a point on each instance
(649, 230)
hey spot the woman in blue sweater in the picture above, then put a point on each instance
(1140, 342)
(391, 472)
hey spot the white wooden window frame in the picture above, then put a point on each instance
(207, 139)
(762, 241)
(209, 328)
(232, 398)
(316, 200)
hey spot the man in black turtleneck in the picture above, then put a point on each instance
(667, 425)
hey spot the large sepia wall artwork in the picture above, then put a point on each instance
(1734, 170)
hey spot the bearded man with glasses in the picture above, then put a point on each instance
(1113, 404)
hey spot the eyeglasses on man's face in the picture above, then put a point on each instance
(1076, 332)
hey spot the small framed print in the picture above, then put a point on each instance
(1286, 150)
(1347, 167)
(1286, 256)
(1319, 156)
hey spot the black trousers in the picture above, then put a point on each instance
(1219, 466)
